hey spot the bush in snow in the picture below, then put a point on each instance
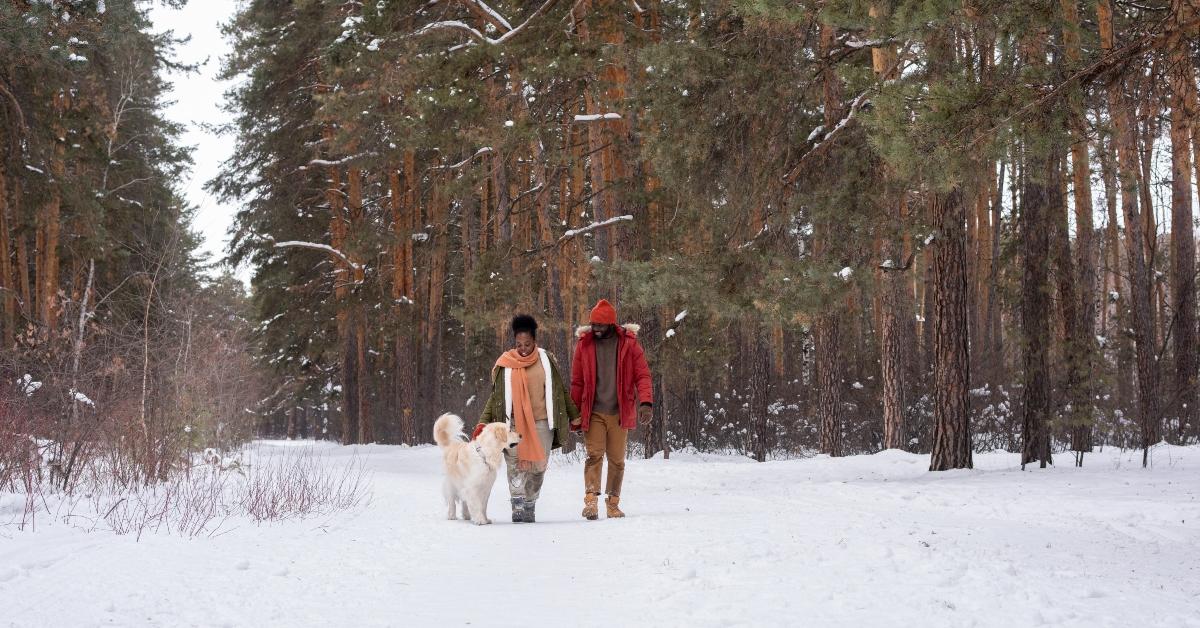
(255, 485)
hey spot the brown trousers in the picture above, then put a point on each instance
(605, 436)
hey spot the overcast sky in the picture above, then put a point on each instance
(198, 100)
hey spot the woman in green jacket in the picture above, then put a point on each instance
(528, 392)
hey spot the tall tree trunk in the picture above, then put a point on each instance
(1141, 290)
(1040, 183)
(435, 325)
(341, 290)
(1116, 294)
(28, 306)
(1183, 241)
(1041, 186)
(354, 190)
(891, 348)
(404, 208)
(1193, 108)
(951, 332)
(405, 216)
(8, 288)
(894, 302)
(1084, 357)
(759, 355)
(1077, 337)
(951, 355)
(826, 326)
(50, 228)
(992, 321)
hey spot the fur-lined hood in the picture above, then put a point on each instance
(630, 328)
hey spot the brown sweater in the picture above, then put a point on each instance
(606, 376)
(535, 376)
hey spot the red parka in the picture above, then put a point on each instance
(633, 375)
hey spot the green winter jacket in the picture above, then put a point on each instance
(564, 409)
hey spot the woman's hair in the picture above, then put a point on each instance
(524, 323)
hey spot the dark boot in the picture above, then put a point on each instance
(518, 510)
(528, 518)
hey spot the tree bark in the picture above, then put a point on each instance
(50, 228)
(1083, 347)
(951, 355)
(1183, 241)
(341, 291)
(895, 303)
(1141, 290)
(826, 327)
(8, 288)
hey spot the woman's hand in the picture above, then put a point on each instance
(577, 425)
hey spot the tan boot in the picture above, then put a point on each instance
(611, 505)
(589, 507)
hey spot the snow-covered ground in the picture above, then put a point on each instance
(709, 541)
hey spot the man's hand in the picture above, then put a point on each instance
(645, 414)
(577, 425)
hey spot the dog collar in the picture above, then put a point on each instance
(482, 457)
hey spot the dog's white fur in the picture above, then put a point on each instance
(471, 465)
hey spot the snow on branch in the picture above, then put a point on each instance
(483, 151)
(891, 266)
(336, 162)
(819, 147)
(473, 33)
(480, 8)
(857, 44)
(317, 247)
(571, 233)
(858, 103)
(749, 243)
(453, 25)
(592, 117)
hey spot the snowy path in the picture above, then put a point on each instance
(710, 541)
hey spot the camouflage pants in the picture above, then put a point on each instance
(528, 484)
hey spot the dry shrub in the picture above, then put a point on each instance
(298, 484)
(204, 499)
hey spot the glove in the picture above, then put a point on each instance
(645, 414)
(478, 430)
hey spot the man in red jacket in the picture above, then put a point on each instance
(610, 382)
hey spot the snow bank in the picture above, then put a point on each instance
(709, 541)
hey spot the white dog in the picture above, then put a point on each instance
(471, 465)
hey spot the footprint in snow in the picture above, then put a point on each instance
(242, 565)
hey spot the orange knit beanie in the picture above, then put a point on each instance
(604, 313)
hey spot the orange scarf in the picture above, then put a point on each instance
(529, 452)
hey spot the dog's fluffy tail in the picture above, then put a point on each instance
(446, 429)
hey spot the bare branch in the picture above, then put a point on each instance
(572, 233)
(458, 166)
(317, 247)
(488, 14)
(597, 117)
(473, 33)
